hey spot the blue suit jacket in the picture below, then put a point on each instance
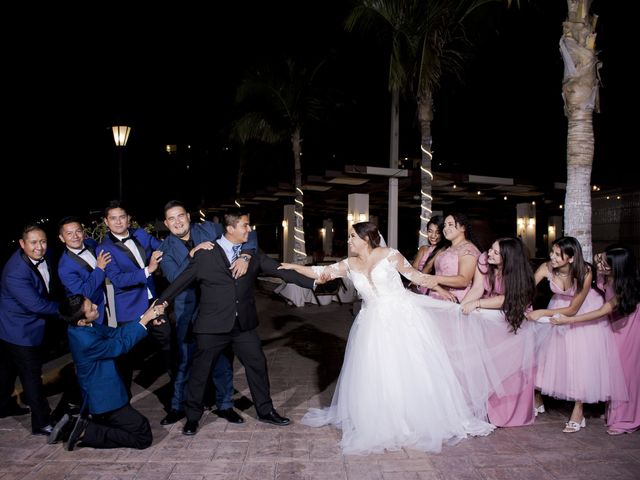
(175, 259)
(129, 281)
(94, 350)
(78, 277)
(24, 302)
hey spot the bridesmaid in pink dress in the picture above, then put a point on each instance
(456, 265)
(618, 278)
(427, 253)
(504, 281)
(579, 362)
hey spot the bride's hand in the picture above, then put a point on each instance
(468, 307)
(286, 266)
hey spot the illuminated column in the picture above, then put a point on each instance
(358, 208)
(288, 222)
(526, 225)
(327, 236)
(392, 226)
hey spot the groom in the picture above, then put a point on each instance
(228, 316)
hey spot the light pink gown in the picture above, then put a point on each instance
(625, 416)
(447, 265)
(580, 360)
(515, 407)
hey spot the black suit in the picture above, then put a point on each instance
(228, 315)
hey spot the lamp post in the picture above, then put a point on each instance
(120, 137)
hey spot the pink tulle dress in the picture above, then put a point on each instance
(580, 361)
(446, 264)
(514, 408)
(625, 416)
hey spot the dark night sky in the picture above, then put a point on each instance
(172, 73)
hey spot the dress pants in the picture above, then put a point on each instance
(124, 427)
(27, 363)
(222, 374)
(248, 348)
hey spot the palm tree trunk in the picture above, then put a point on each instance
(425, 117)
(580, 91)
(299, 251)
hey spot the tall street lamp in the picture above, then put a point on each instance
(120, 137)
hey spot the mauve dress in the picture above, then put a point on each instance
(625, 416)
(446, 264)
(515, 407)
(421, 264)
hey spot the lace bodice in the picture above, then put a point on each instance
(380, 280)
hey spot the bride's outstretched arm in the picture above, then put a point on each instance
(406, 270)
(328, 272)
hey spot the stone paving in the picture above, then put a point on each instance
(304, 347)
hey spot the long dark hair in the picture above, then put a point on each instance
(570, 247)
(626, 281)
(517, 279)
(438, 221)
(369, 232)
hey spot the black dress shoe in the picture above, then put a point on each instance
(172, 417)
(79, 426)
(46, 430)
(58, 432)
(190, 428)
(14, 411)
(274, 419)
(230, 415)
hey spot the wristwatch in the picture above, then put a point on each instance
(246, 258)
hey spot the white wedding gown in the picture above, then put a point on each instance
(399, 386)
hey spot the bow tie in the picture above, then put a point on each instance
(126, 238)
(38, 262)
(81, 251)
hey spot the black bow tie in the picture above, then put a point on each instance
(81, 251)
(38, 262)
(126, 238)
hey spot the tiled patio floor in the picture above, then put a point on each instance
(304, 347)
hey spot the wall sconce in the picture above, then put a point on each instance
(363, 217)
(532, 222)
(350, 217)
(285, 224)
(520, 222)
(552, 230)
(323, 231)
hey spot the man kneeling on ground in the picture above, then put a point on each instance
(112, 421)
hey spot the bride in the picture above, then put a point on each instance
(399, 386)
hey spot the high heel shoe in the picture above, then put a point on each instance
(538, 409)
(573, 427)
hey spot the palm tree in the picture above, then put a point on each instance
(425, 38)
(580, 93)
(279, 101)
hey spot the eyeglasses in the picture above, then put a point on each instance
(494, 251)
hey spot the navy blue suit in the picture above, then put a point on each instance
(78, 277)
(25, 304)
(131, 297)
(129, 280)
(94, 349)
(174, 261)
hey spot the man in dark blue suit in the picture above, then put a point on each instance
(134, 259)
(25, 305)
(81, 269)
(114, 422)
(178, 248)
